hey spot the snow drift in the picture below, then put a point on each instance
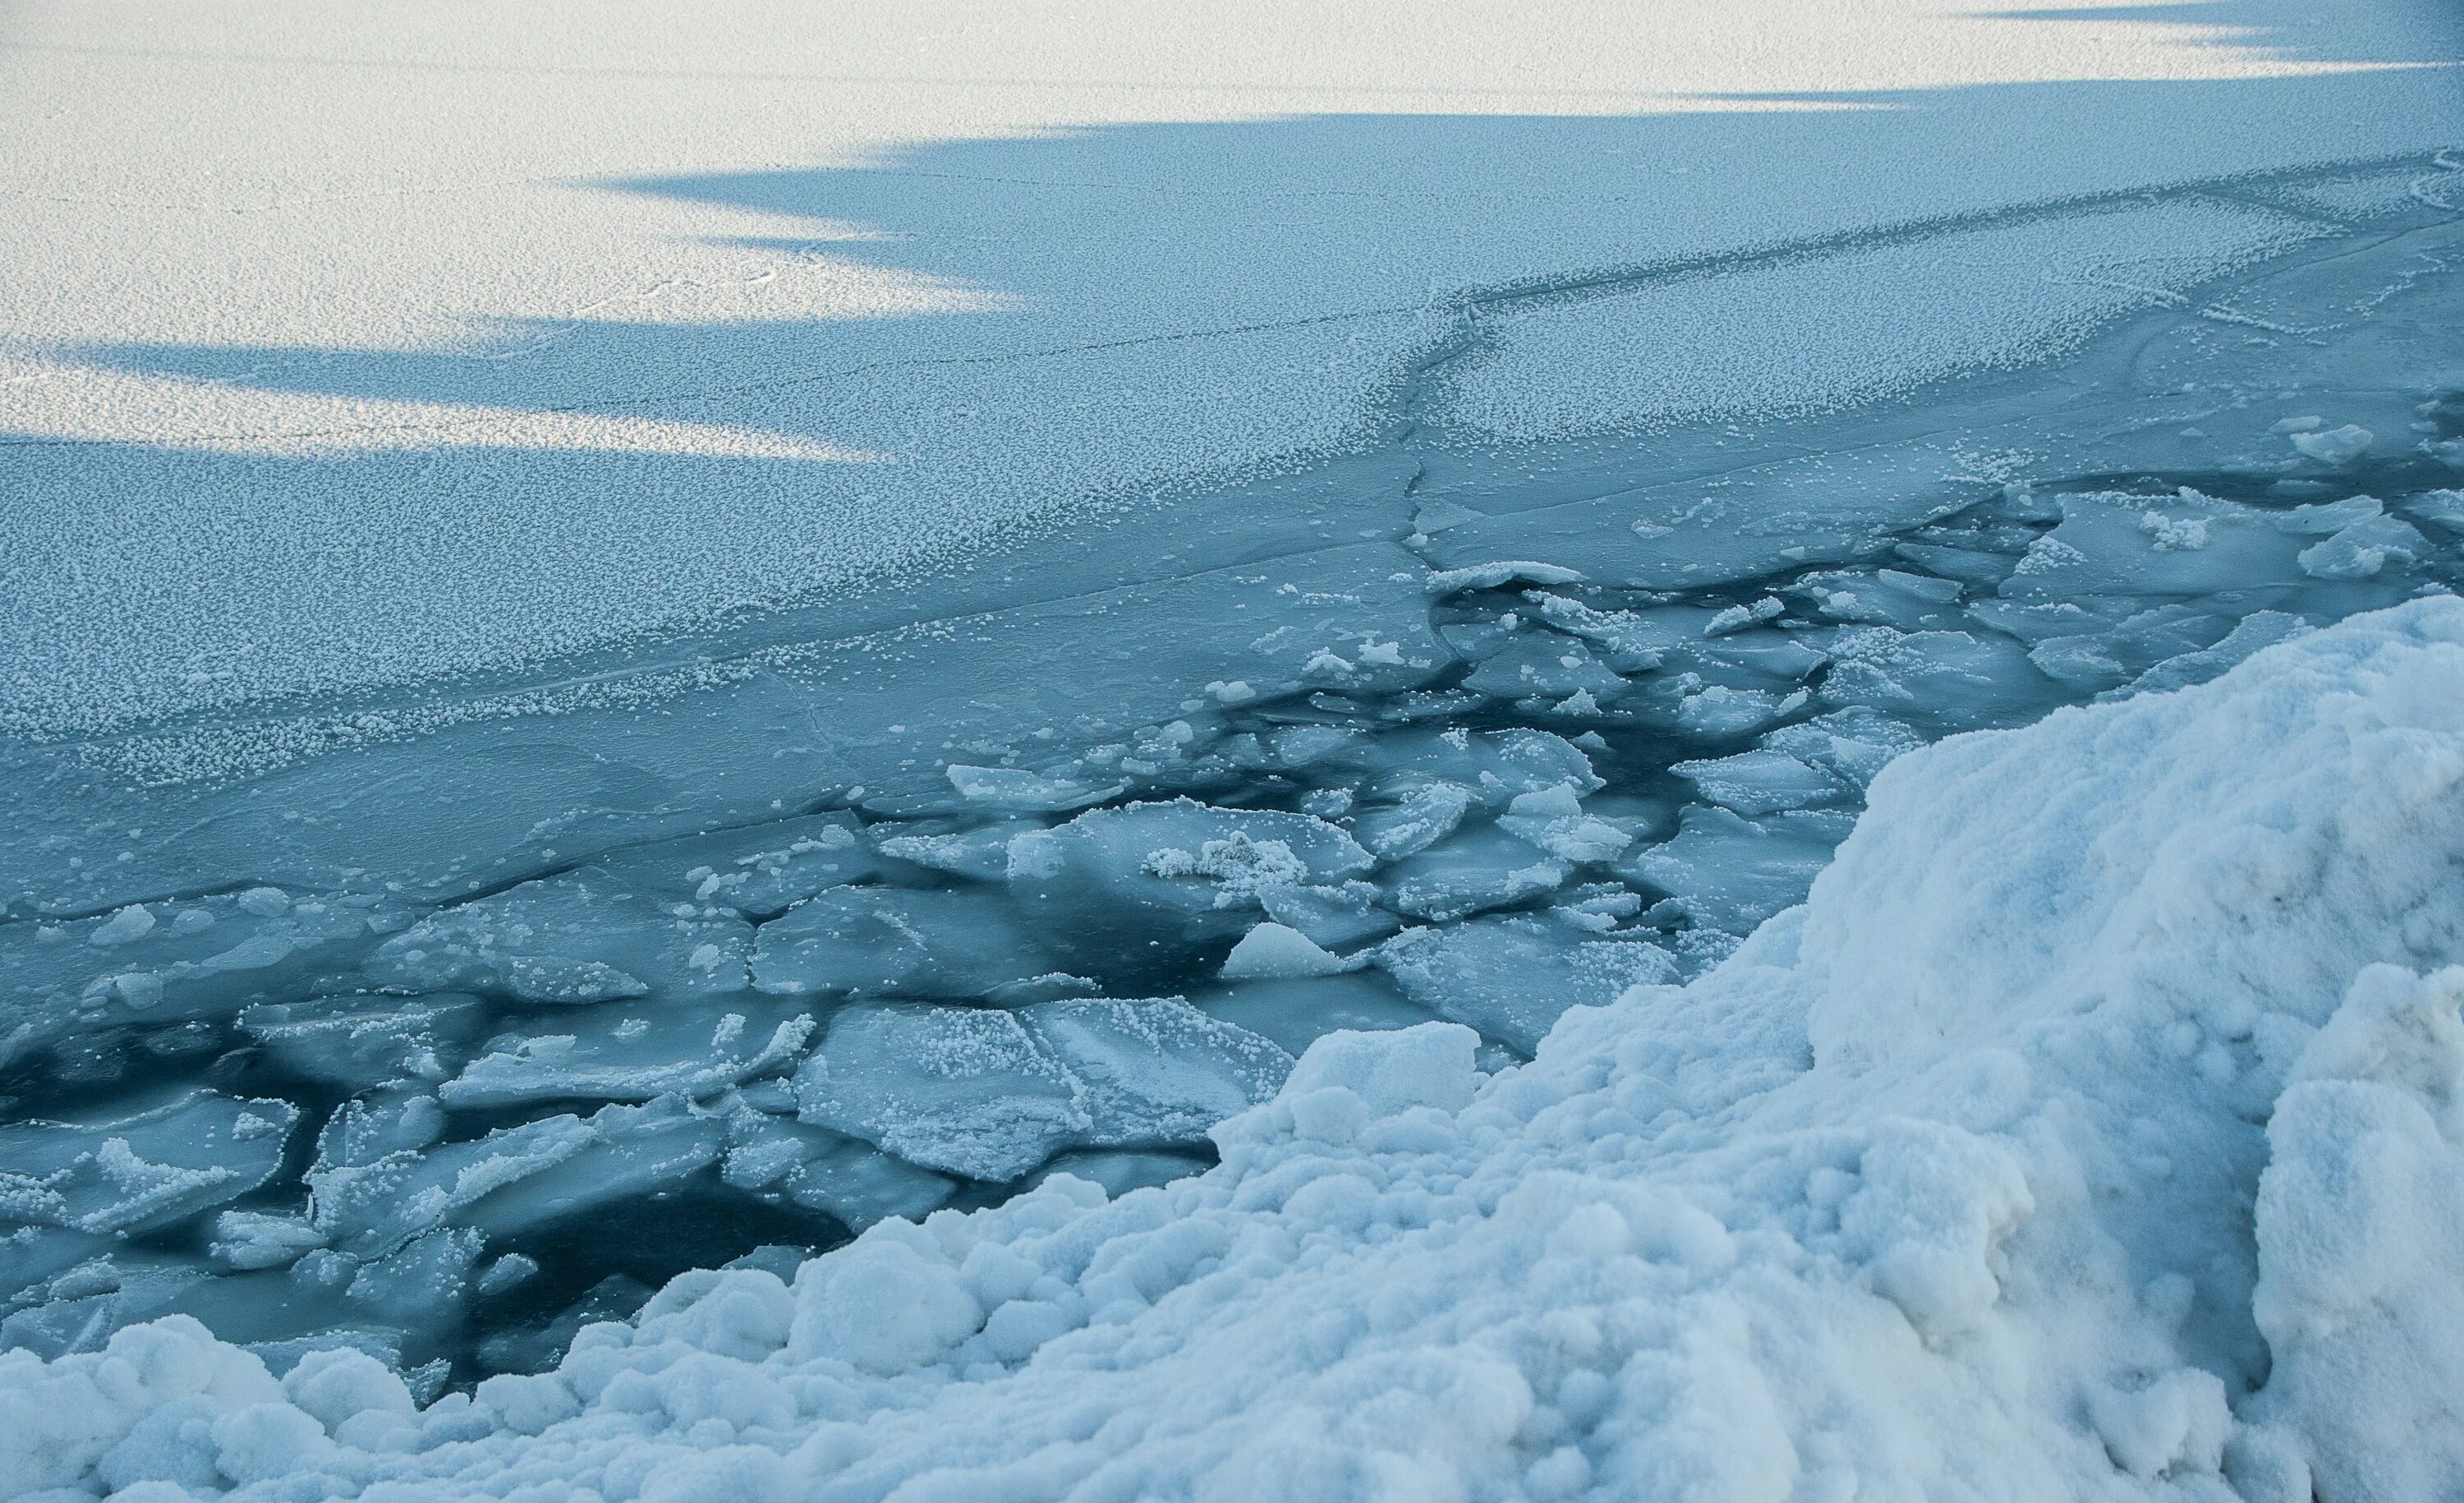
(2096, 1130)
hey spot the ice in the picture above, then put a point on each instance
(760, 871)
(1852, 744)
(1729, 873)
(1419, 815)
(990, 1094)
(814, 1167)
(1541, 664)
(1222, 733)
(1553, 820)
(124, 1175)
(1336, 916)
(683, 1052)
(1296, 1013)
(1115, 883)
(1155, 1074)
(358, 1040)
(373, 1202)
(2338, 446)
(1472, 870)
(967, 1090)
(2363, 548)
(576, 939)
(1511, 977)
(1935, 1115)
(1272, 951)
(2186, 544)
(1121, 1171)
(981, 852)
(202, 959)
(889, 942)
(1764, 780)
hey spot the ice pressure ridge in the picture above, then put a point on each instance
(2092, 1131)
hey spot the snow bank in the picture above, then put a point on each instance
(2094, 1131)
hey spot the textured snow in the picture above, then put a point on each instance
(1945, 1183)
(348, 349)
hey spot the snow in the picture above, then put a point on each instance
(1666, 752)
(329, 335)
(1944, 1183)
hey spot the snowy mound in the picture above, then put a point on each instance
(2096, 1130)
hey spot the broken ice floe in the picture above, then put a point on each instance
(1078, 963)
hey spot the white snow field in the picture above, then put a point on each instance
(2104, 1141)
(820, 752)
(341, 348)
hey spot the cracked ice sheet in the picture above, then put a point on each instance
(1849, 327)
(1878, 1207)
(772, 235)
(884, 712)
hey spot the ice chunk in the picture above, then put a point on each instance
(1541, 664)
(572, 939)
(1511, 977)
(202, 959)
(969, 1091)
(1949, 679)
(255, 1240)
(1120, 891)
(509, 1180)
(131, 1173)
(1296, 1013)
(1119, 1171)
(1155, 1073)
(980, 852)
(360, 1041)
(1730, 874)
(1422, 813)
(678, 1051)
(2107, 544)
(1336, 916)
(2442, 508)
(2259, 630)
(1490, 575)
(1762, 780)
(819, 1169)
(1494, 765)
(990, 1094)
(1472, 870)
(759, 870)
(2364, 548)
(2335, 446)
(1018, 790)
(1852, 744)
(898, 942)
(1272, 950)
(1553, 820)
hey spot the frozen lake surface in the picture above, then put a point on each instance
(1248, 813)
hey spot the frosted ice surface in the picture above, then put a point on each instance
(625, 1056)
(1512, 976)
(595, 977)
(970, 1091)
(577, 939)
(990, 1094)
(892, 943)
(760, 871)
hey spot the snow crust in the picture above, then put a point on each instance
(2093, 1131)
(347, 351)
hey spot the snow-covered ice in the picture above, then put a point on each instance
(1626, 751)
(2019, 1161)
